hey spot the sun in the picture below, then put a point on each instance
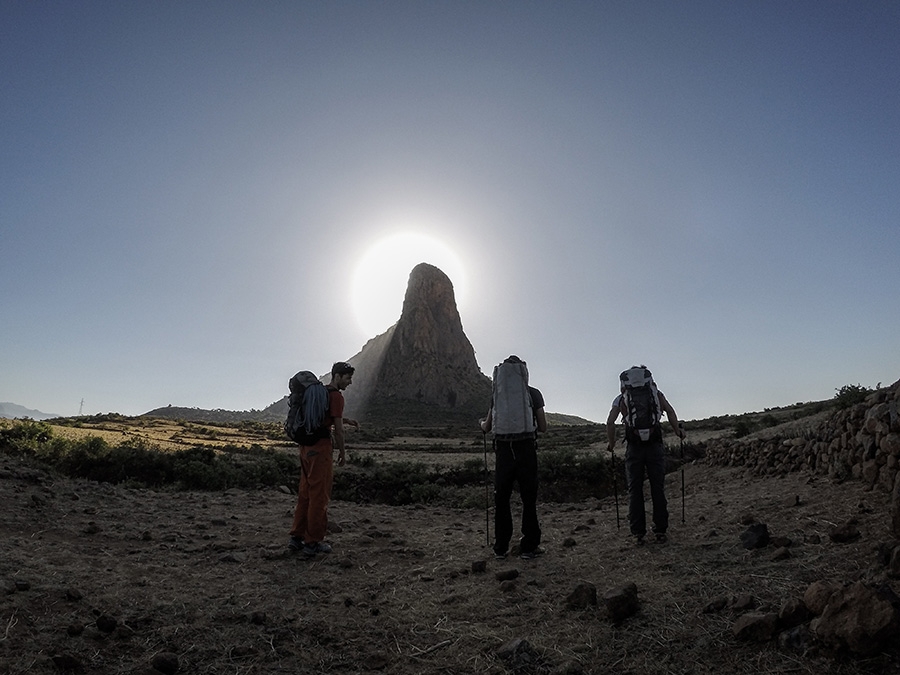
(381, 276)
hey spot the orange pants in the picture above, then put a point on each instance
(316, 475)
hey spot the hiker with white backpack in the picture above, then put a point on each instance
(641, 405)
(515, 417)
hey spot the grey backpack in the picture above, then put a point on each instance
(513, 415)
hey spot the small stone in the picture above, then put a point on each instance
(165, 662)
(106, 623)
(507, 575)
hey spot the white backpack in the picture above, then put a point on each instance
(512, 414)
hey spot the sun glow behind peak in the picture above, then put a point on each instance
(382, 274)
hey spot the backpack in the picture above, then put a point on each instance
(512, 416)
(642, 409)
(308, 404)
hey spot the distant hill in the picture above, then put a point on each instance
(220, 416)
(570, 420)
(12, 411)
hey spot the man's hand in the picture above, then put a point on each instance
(342, 457)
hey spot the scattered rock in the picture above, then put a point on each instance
(518, 654)
(842, 534)
(796, 639)
(507, 575)
(479, 566)
(782, 553)
(755, 536)
(621, 602)
(165, 662)
(793, 613)
(755, 627)
(859, 618)
(743, 603)
(715, 605)
(817, 594)
(584, 596)
(106, 623)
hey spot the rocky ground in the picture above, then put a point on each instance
(102, 579)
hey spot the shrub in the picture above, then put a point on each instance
(741, 429)
(850, 395)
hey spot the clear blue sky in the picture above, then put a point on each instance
(709, 188)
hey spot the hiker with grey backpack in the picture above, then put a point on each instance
(641, 405)
(515, 417)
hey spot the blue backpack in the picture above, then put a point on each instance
(307, 408)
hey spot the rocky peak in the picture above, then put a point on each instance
(425, 359)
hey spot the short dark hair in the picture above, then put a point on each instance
(342, 368)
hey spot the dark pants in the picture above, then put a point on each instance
(640, 458)
(516, 462)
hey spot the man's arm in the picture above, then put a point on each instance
(671, 416)
(487, 421)
(541, 420)
(611, 428)
(339, 439)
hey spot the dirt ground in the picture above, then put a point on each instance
(102, 579)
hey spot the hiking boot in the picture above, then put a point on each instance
(530, 555)
(295, 544)
(639, 540)
(661, 537)
(500, 556)
(317, 547)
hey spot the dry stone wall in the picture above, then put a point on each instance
(860, 442)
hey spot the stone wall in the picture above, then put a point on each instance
(861, 442)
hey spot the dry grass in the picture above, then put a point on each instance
(206, 576)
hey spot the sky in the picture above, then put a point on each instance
(199, 199)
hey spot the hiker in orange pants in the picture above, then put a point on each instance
(317, 470)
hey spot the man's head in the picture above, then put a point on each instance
(342, 374)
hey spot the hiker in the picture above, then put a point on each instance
(317, 469)
(516, 416)
(641, 405)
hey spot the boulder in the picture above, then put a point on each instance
(755, 627)
(584, 596)
(859, 618)
(817, 594)
(621, 602)
(755, 536)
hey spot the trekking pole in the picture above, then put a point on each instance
(612, 454)
(487, 516)
(681, 426)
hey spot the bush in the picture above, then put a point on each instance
(850, 395)
(741, 429)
